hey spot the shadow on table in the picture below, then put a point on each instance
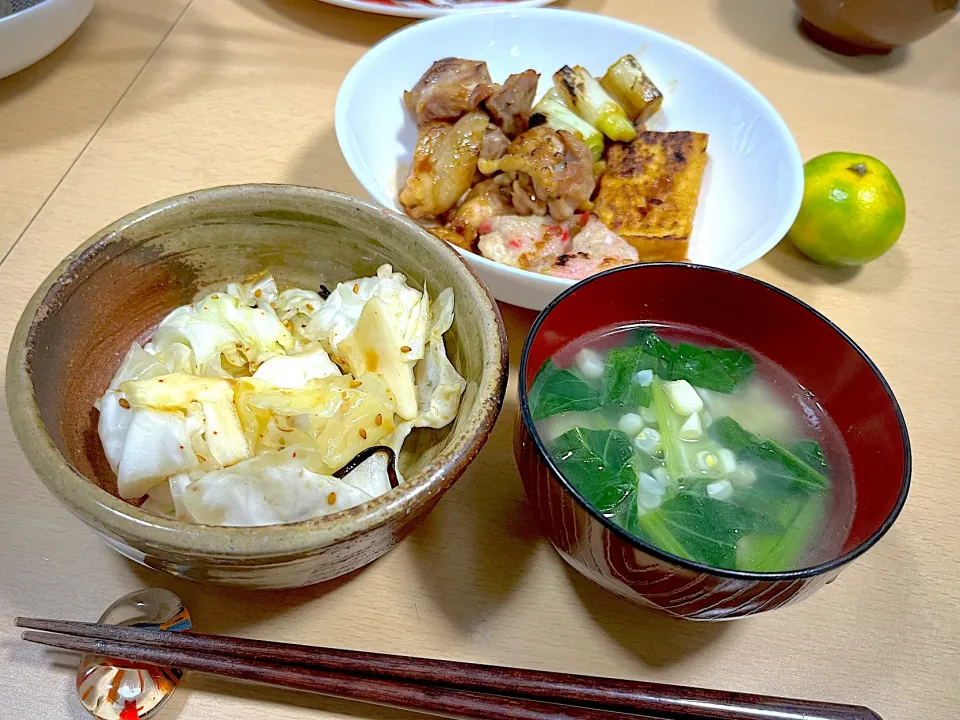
(655, 639)
(22, 82)
(92, 46)
(101, 22)
(593, 6)
(58, 670)
(319, 159)
(354, 26)
(473, 551)
(880, 277)
(226, 610)
(518, 321)
(773, 27)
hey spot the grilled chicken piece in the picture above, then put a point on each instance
(450, 88)
(650, 191)
(525, 198)
(560, 167)
(444, 164)
(595, 248)
(495, 143)
(528, 243)
(485, 202)
(448, 234)
(511, 105)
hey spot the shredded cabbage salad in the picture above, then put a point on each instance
(243, 405)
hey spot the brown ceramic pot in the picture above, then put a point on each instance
(821, 357)
(120, 283)
(875, 24)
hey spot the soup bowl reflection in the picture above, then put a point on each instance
(819, 355)
(115, 289)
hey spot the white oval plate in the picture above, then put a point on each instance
(430, 8)
(754, 179)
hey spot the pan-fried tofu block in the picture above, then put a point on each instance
(650, 191)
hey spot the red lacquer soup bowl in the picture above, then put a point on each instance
(819, 355)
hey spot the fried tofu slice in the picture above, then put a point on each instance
(650, 190)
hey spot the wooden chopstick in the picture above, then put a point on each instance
(430, 699)
(657, 700)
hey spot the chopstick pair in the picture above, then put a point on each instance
(436, 687)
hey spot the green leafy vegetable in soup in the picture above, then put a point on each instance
(599, 463)
(700, 528)
(710, 453)
(619, 388)
(557, 391)
(749, 446)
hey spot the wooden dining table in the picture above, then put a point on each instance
(150, 99)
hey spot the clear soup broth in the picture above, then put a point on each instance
(707, 450)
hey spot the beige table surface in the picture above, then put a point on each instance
(155, 98)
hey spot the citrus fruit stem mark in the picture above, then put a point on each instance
(860, 169)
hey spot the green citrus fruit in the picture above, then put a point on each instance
(853, 209)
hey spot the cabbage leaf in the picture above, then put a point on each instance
(244, 404)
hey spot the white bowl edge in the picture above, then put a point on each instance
(521, 287)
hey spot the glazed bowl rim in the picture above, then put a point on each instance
(119, 519)
(633, 541)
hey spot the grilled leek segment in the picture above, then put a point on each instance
(629, 85)
(591, 102)
(554, 112)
